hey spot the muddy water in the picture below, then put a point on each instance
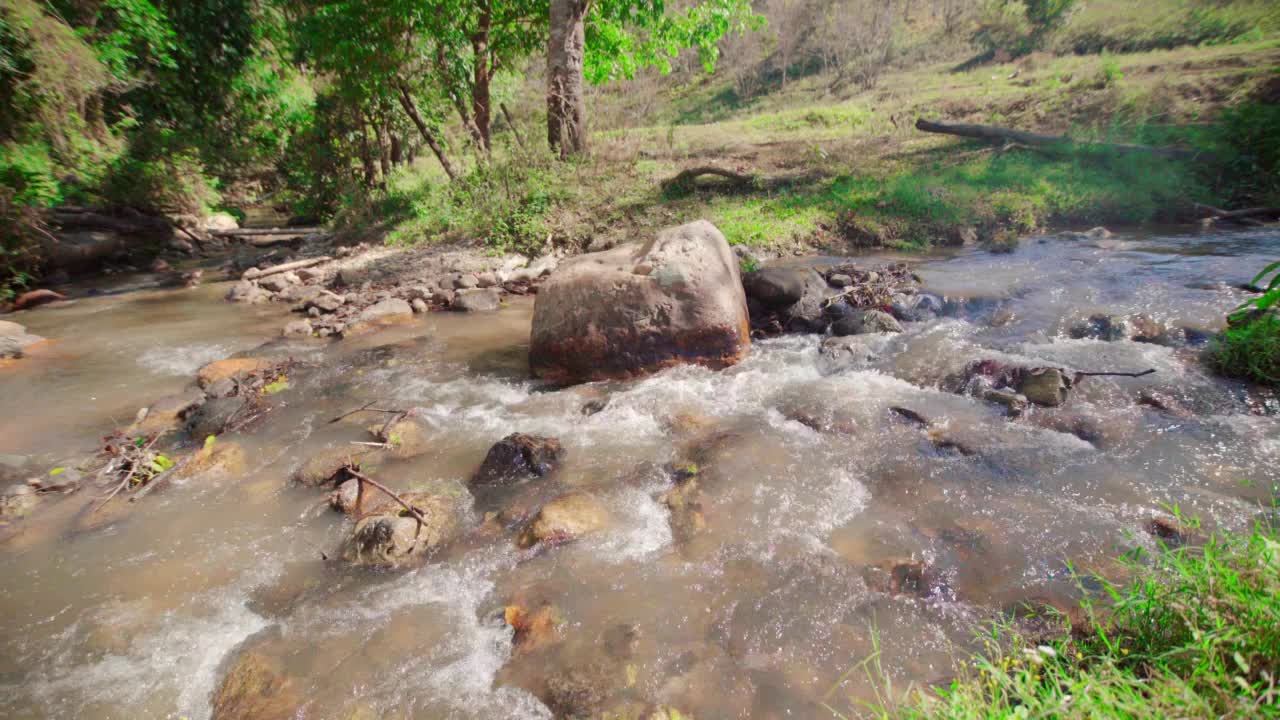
(759, 616)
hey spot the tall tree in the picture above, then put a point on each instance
(600, 40)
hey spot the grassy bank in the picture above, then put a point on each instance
(1197, 636)
(840, 172)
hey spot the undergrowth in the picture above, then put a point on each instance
(1250, 346)
(1197, 635)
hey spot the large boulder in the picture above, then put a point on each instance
(642, 307)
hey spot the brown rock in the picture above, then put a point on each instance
(230, 368)
(254, 689)
(390, 537)
(638, 308)
(568, 517)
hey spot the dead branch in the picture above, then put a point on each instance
(1144, 373)
(257, 232)
(688, 179)
(512, 124)
(367, 407)
(255, 273)
(992, 133)
(134, 463)
(361, 478)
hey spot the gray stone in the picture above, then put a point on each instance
(870, 321)
(419, 305)
(1044, 386)
(14, 339)
(837, 354)
(299, 294)
(840, 281)
(326, 302)
(1014, 403)
(486, 280)
(17, 501)
(297, 328)
(477, 300)
(465, 282)
(390, 538)
(274, 283)
(248, 292)
(14, 468)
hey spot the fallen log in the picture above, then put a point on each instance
(687, 179)
(255, 273)
(1245, 214)
(993, 133)
(256, 232)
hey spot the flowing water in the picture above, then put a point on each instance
(760, 615)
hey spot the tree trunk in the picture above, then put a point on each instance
(384, 150)
(397, 150)
(366, 155)
(566, 92)
(481, 103)
(411, 109)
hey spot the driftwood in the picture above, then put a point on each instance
(687, 179)
(256, 232)
(254, 273)
(1144, 373)
(993, 133)
(80, 219)
(1247, 216)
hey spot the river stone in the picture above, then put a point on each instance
(248, 292)
(213, 417)
(486, 280)
(298, 328)
(796, 295)
(275, 283)
(837, 354)
(639, 308)
(322, 468)
(391, 538)
(477, 300)
(343, 498)
(166, 413)
(1044, 386)
(518, 457)
(390, 310)
(230, 368)
(14, 468)
(300, 294)
(14, 339)
(915, 308)
(465, 282)
(253, 689)
(17, 501)
(419, 305)
(871, 321)
(325, 302)
(566, 518)
(407, 438)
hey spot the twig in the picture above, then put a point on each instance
(133, 468)
(1116, 374)
(367, 407)
(362, 478)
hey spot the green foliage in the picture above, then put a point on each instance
(1020, 26)
(1250, 346)
(159, 173)
(1194, 636)
(20, 232)
(28, 171)
(626, 35)
(506, 204)
(1110, 74)
(1122, 26)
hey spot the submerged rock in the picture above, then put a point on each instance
(325, 467)
(861, 323)
(14, 339)
(17, 501)
(476, 300)
(406, 437)
(568, 517)
(1045, 386)
(168, 412)
(391, 537)
(518, 457)
(254, 689)
(837, 354)
(385, 312)
(230, 368)
(639, 308)
(248, 292)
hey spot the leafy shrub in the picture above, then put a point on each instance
(1250, 346)
(28, 171)
(1020, 26)
(20, 231)
(159, 174)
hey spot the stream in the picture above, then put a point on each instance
(761, 614)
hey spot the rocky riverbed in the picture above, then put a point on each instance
(368, 507)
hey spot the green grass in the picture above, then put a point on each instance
(1196, 636)
(1126, 26)
(1250, 346)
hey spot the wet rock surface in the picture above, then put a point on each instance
(566, 518)
(518, 457)
(639, 308)
(390, 537)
